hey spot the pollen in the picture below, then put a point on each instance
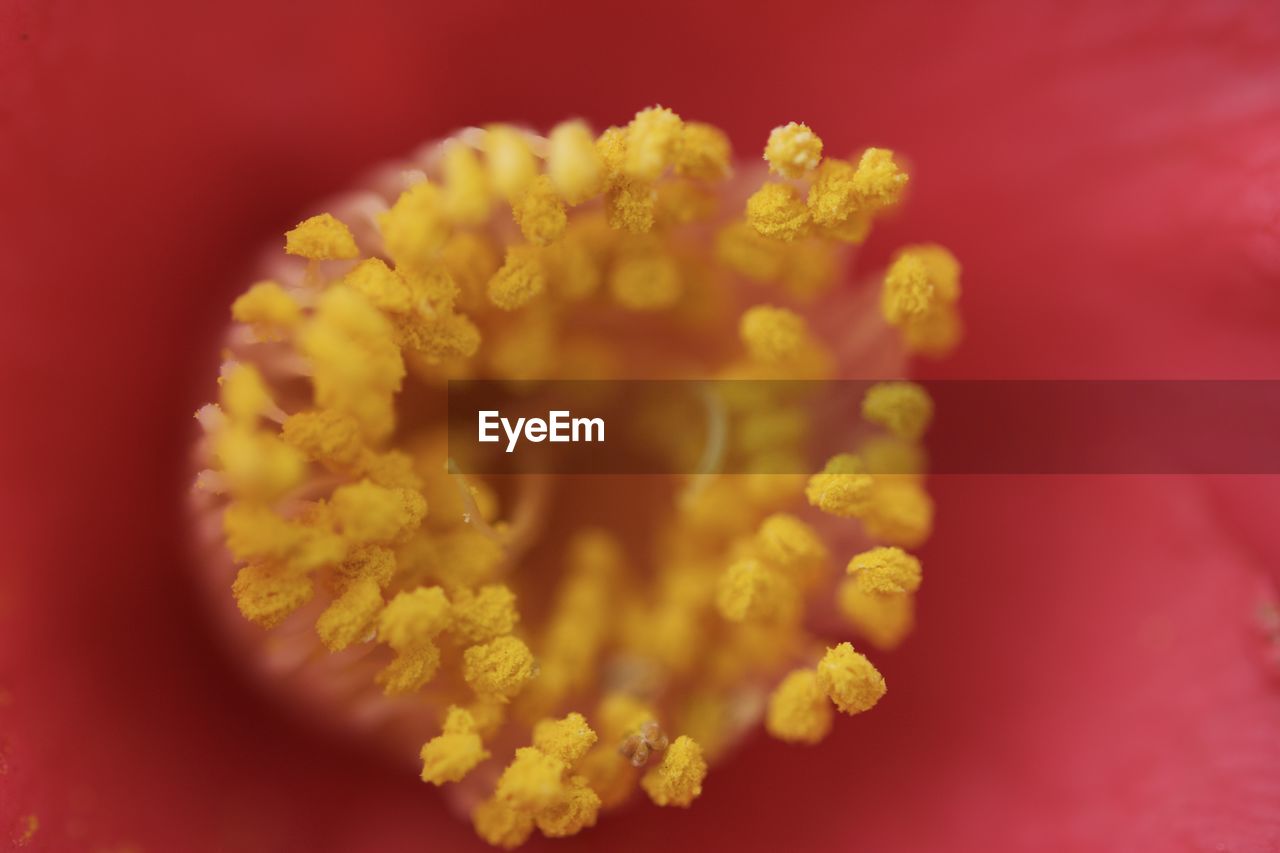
(321, 238)
(677, 781)
(904, 408)
(553, 647)
(850, 680)
(793, 149)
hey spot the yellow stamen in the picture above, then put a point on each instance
(793, 149)
(321, 238)
(849, 679)
(799, 711)
(677, 781)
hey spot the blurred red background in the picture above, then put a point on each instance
(1090, 670)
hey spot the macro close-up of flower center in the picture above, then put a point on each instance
(550, 647)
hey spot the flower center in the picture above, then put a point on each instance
(555, 644)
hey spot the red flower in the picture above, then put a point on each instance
(1089, 670)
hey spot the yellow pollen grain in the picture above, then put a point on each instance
(885, 571)
(484, 614)
(321, 238)
(773, 335)
(415, 227)
(778, 211)
(410, 670)
(704, 152)
(677, 781)
(792, 150)
(833, 198)
(750, 590)
(350, 617)
(574, 167)
(653, 142)
(381, 285)
(414, 617)
(266, 593)
(532, 781)
(257, 465)
(899, 512)
(904, 408)
(324, 436)
(849, 679)
(791, 545)
(452, 754)
(521, 278)
(567, 739)
(539, 212)
(645, 281)
(269, 310)
(367, 512)
(510, 160)
(577, 809)
(879, 181)
(501, 824)
(842, 488)
(244, 394)
(799, 710)
(467, 199)
(499, 669)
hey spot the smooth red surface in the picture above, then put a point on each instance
(1089, 673)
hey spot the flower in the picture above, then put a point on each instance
(1087, 669)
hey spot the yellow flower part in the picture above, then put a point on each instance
(321, 238)
(904, 408)
(885, 571)
(792, 150)
(773, 335)
(574, 167)
(778, 211)
(849, 679)
(565, 629)
(452, 754)
(539, 212)
(499, 669)
(842, 488)
(677, 781)
(885, 620)
(799, 710)
(269, 310)
(521, 278)
(567, 739)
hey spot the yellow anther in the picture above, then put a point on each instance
(904, 408)
(350, 617)
(521, 278)
(879, 182)
(414, 617)
(908, 290)
(653, 142)
(899, 512)
(532, 781)
(324, 436)
(885, 571)
(244, 395)
(539, 212)
(480, 616)
(750, 590)
(415, 227)
(611, 146)
(842, 488)
(629, 205)
(743, 250)
(439, 334)
(885, 620)
(677, 781)
(793, 149)
(321, 238)
(833, 197)
(467, 200)
(510, 160)
(777, 211)
(798, 710)
(791, 545)
(381, 285)
(573, 163)
(773, 335)
(646, 280)
(501, 824)
(471, 259)
(410, 670)
(257, 465)
(267, 593)
(269, 310)
(254, 532)
(567, 739)
(366, 562)
(704, 152)
(367, 512)
(499, 669)
(849, 679)
(452, 754)
(577, 810)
